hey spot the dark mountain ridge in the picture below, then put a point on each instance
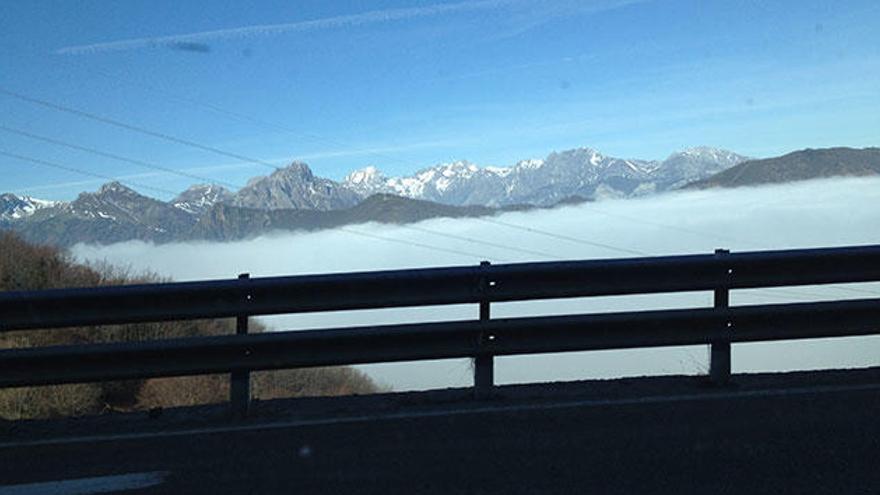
(224, 222)
(118, 214)
(797, 166)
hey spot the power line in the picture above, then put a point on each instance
(823, 294)
(855, 290)
(662, 225)
(565, 237)
(81, 171)
(790, 295)
(114, 156)
(642, 253)
(484, 243)
(134, 128)
(797, 293)
(729, 239)
(241, 117)
(775, 291)
(786, 294)
(416, 244)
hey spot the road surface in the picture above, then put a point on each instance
(798, 433)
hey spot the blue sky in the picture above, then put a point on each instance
(404, 85)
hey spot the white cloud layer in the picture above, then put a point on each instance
(811, 214)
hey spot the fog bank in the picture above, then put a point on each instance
(811, 214)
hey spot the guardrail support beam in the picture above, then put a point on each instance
(719, 350)
(240, 381)
(484, 364)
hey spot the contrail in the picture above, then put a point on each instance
(336, 22)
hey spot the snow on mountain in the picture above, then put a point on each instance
(581, 172)
(201, 197)
(13, 207)
(365, 181)
(113, 201)
(119, 204)
(113, 213)
(695, 164)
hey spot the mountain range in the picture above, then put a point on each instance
(580, 172)
(293, 198)
(116, 213)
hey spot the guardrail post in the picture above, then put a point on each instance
(240, 382)
(719, 349)
(484, 363)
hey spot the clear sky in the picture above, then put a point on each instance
(407, 84)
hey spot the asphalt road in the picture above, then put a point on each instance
(805, 439)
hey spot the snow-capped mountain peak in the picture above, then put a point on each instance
(201, 197)
(583, 172)
(710, 153)
(499, 171)
(364, 175)
(13, 207)
(531, 163)
(695, 164)
(366, 181)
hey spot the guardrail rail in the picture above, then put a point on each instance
(481, 339)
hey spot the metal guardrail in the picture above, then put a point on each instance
(480, 339)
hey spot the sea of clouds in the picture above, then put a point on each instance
(822, 213)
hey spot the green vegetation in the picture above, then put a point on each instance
(24, 266)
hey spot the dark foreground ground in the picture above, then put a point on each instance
(787, 433)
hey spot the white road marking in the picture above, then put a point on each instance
(461, 411)
(88, 486)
